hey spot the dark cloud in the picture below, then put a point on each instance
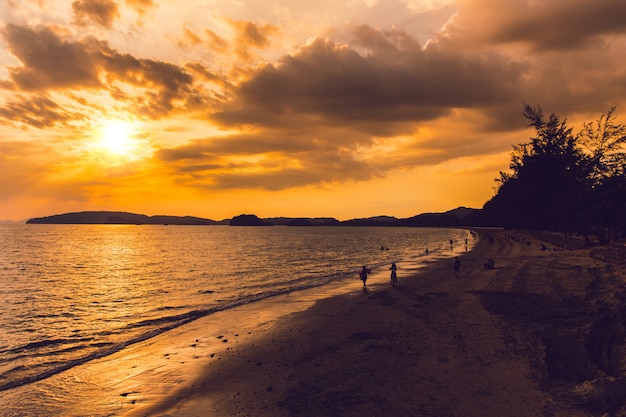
(271, 160)
(313, 111)
(573, 23)
(163, 83)
(280, 179)
(384, 43)
(206, 74)
(280, 162)
(241, 144)
(544, 25)
(564, 25)
(101, 12)
(319, 114)
(397, 82)
(39, 112)
(50, 62)
(276, 173)
(382, 91)
(571, 50)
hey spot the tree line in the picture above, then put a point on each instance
(564, 182)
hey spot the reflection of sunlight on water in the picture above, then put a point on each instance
(92, 286)
(113, 256)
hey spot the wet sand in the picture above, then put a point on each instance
(541, 334)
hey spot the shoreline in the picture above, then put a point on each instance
(527, 338)
(491, 343)
(337, 354)
(159, 294)
(149, 372)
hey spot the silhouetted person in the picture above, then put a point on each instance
(490, 264)
(394, 276)
(457, 267)
(363, 276)
(451, 244)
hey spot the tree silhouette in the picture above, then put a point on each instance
(605, 141)
(547, 183)
(565, 183)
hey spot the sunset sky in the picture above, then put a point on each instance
(293, 108)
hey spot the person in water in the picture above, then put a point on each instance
(394, 276)
(363, 276)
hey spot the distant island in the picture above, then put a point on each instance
(119, 217)
(460, 216)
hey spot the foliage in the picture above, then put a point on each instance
(605, 142)
(562, 182)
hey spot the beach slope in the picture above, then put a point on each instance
(540, 334)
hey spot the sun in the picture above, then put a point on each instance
(117, 138)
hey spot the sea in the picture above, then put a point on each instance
(75, 293)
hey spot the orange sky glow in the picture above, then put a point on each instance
(290, 108)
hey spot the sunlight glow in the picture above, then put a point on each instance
(117, 138)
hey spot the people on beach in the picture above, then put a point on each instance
(451, 242)
(490, 264)
(394, 276)
(457, 267)
(363, 276)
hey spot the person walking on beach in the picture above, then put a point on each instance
(457, 267)
(394, 276)
(363, 276)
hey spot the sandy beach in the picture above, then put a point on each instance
(541, 334)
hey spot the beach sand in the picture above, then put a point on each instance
(541, 334)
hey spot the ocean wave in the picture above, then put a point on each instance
(112, 308)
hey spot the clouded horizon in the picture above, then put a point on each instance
(288, 108)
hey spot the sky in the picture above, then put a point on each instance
(294, 108)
